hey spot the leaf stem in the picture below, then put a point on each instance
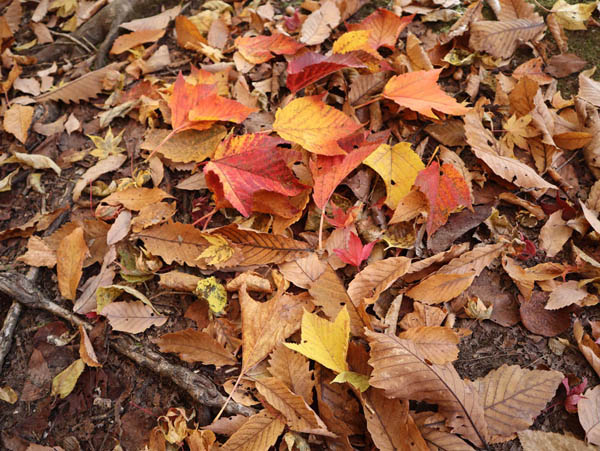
(169, 136)
(379, 97)
(235, 386)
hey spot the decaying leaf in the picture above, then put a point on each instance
(64, 382)
(132, 317)
(196, 346)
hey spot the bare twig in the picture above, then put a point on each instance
(198, 386)
(8, 329)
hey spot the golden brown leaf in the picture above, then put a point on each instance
(588, 410)
(403, 373)
(300, 417)
(86, 350)
(437, 435)
(38, 253)
(434, 343)
(538, 440)
(136, 198)
(132, 317)
(513, 397)
(196, 346)
(86, 87)
(175, 242)
(186, 146)
(17, 120)
(70, 254)
(441, 287)
(588, 347)
(292, 368)
(501, 38)
(554, 234)
(259, 433)
(377, 277)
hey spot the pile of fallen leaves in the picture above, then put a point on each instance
(329, 190)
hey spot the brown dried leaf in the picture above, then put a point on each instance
(589, 90)
(302, 272)
(70, 254)
(565, 294)
(388, 423)
(38, 253)
(318, 25)
(195, 346)
(485, 147)
(86, 87)
(186, 146)
(376, 278)
(86, 350)
(153, 214)
(292, 368)
(475, 260)
(263, 248)
(260, 432)
(538, 320)
(588, 410)
(513, 397)
(558, 33)
(179, 281)
(130, 40)
(554, 234)
(501, 39)
(403, 373)
(17, 120)
(279, 318)
(175, 242)
(132, 317)
(109, 164)
(441, 287)
(437, 435)
(537, 440)
(588, 347)
(423, 315)
(300, 417)
(437, 344)
(136, 198)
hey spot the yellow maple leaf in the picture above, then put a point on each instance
(219, 250)
(573, 17)
(357, 380)
(324, 341)
(109, 145)
(64, 382)
(398, 166)
(213, 292)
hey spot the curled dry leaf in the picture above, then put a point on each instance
(565, 294)
(318, 26)
(104, 166)
(17, 121)
(86, 350)
(513, 397)
(554, 234)
(403, 373)
(588, 347)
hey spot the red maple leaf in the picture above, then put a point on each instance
(342, 218)
(246, 164)
(573, 394)
(356, 253)
(310, 67)
(445, 192)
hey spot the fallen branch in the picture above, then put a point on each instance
(8, 329)
(198, 386)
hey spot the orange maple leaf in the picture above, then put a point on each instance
(420, 92)
(445, 193)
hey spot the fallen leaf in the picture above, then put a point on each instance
(501, 38)
(246, 164)
(420, 92)
(356, 252)
(445, 193)
(554, 234)
(314, 125)
(293, 370)
(196, 346)
(130, 40)
(588, 347)
(384, 28)
(86, 349)
(311, 67)
(318, 26)
(441, 287)
(513, 397)
(324, 341)
(260, 49)
(403, 373)
(573, 16)
(7, 394)
(17, 120)
(136, 198)
(132, 317)
(538, 320)
(70, 254)
(213, 292)
(38, 253)
(536, 440)
(398, 166)
(588, 411)
(65, 381)
(437, 344)
(377, 277)
(261, 431)
(300, 417)
(565, 294)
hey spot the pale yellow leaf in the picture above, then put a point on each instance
(64, 382)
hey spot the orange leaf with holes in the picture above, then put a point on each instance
(314, 125)
(246, 164)
(420, 92)
(446, 193)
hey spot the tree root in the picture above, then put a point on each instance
(198, 386)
